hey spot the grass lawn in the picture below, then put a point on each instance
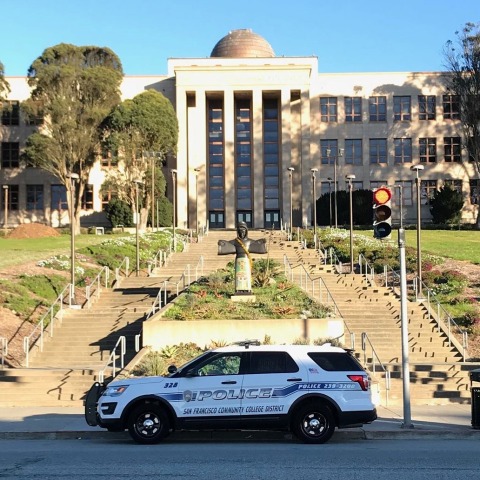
(19, 251)
(456, 244)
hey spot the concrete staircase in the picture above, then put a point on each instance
(70, 362)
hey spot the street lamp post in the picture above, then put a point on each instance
(314, 185)
(73, 179)
(350, 178)
(5, 204)
(137, 234)
(330, 199)
(417, 169)
(173, 171)
(290, 174)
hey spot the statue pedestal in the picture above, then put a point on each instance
(243, 298)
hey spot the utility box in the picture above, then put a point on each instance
(475, 378)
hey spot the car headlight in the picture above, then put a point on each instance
(114, 391)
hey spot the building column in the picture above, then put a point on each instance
(182, 160)
(229, 139)
(286, 154)
(305, 161)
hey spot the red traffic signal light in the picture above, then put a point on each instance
(382, 212)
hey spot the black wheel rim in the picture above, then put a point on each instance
(314, 424)
(148, 424)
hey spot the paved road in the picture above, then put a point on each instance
(340, 459)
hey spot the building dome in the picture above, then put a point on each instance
(242, 44)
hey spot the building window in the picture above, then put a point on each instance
(407, 192)
(328, 109)
(106, 197)
(12, 197)
(34, 197)
(10, 154)
(58, 197)
(216, 183)
(243, 156)
(403, 150)
(271, 158)
(109, 158)
(87, 198)
(427, 188)
(353, 109)
(377, 109)
(354, 151)
(10, 113)
(451, 107)
(427, 150)
(329, 151)
(427, 105)
(402, 108)
(378, 150)
(377, 184)
(454, 185)
(475, 192)
(452, 149)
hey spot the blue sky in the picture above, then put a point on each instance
(345, 35)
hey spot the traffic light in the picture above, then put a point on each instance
(382, 212)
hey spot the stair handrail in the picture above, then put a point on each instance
(365, 339)
(387, 272)
(3, 349)
(366, 269)
(304, 274)
(335, 261)
(28, 344)
(96, 285)
(444, 320)
(125, 264)
(112, 359)
(158, 303)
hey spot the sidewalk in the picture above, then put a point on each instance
(446, 421)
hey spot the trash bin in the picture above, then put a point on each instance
(475, 377)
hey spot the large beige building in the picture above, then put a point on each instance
(252, 126)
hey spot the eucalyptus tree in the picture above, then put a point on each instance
(73, 89)
(462, 59)
(143, 131)
(4, 86)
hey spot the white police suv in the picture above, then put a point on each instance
(308, 390)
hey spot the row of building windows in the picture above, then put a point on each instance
(402, 150)
(377, 108)
(35, 197)
(353, 151)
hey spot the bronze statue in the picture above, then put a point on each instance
(242, 246)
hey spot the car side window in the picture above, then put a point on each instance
(271, 362)
(335, 362)
(221, 364)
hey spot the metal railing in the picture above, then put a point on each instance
(444, 320)
(123, 267)
(158, 302)
(112, 359)
(366, 269)
(375, 360)
(3, 350)
(38, 332)
(95, 285)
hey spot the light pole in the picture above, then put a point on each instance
(197, 173)
(330, 198)
(137, 234)
(314, 185)
(290, 174)
(350, 178)
(173, 171)
(5, 204)
(417, 169)
(73, 179)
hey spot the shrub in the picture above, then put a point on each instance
(446, 205)
(119, 213)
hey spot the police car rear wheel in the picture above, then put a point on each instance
(148, 424)
(314, 424)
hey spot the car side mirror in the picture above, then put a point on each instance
(172, 369)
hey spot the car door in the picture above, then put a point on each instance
(211, 389)
(270, 383)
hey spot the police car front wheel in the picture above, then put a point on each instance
(314, 423)
(148, 424)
